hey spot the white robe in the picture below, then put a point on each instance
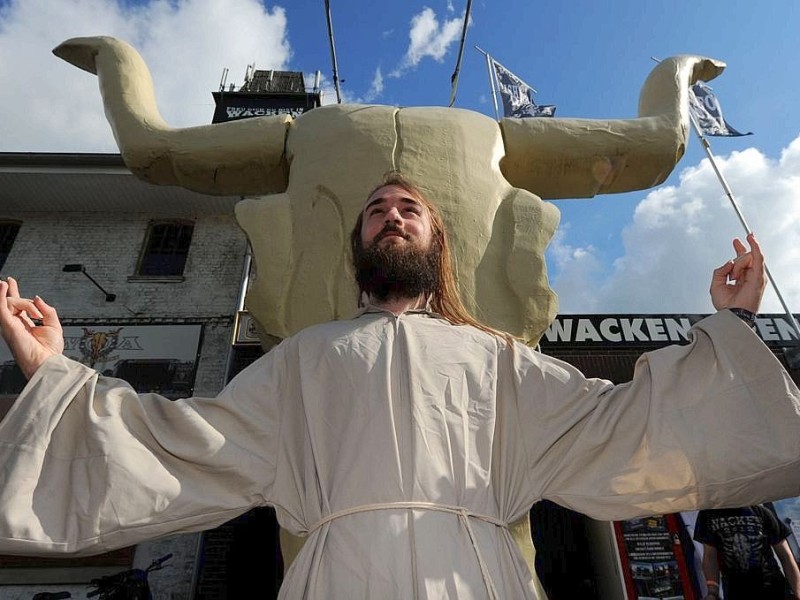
(461, 429)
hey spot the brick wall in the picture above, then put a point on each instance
(108, 246)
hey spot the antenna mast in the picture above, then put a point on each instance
(333, 52)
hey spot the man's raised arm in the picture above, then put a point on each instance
(30, 344)
(711, 423)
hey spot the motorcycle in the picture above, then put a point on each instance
(127, 585)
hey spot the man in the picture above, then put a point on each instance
(739, 543)
(401, 442)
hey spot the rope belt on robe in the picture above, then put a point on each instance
(464, 515)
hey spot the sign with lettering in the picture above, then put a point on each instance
(231, 106)
(610, 330)
(652, 557)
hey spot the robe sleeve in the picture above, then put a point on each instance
(712, 423)
(88, 465)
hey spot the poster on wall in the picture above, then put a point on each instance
(152, 358)
(653, 559)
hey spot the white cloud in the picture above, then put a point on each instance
(375, 88)
(428, 38)
(679, 234)
(579, 269)
(327, 91)
(49, 105)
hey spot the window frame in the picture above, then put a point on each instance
(10, 223)
(147, 250)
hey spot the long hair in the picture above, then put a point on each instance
(445, 299)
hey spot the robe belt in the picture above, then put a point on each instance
(464, 515)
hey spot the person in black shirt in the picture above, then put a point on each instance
(739, 543)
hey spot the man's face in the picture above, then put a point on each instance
(393, 218)
(396, 257)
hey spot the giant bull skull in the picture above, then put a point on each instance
(319, 167)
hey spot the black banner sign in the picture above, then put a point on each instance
(610, 330)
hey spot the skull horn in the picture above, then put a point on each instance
(580, 158)
(233, 158)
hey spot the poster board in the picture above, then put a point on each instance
(653, 560)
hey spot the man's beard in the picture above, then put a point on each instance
(405, 271)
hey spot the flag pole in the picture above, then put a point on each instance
(729, 193)
(491, 81)
(333, 52)
(454, 76)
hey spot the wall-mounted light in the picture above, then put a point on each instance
(78, 268)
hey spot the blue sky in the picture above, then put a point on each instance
(645, 251)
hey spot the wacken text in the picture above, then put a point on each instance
(632, 329)
(241, 112)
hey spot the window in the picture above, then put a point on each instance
(165, 249)
(8, 233)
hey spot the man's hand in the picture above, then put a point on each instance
(740, 282)
(31, 344)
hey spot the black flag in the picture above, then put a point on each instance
(517, 95)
